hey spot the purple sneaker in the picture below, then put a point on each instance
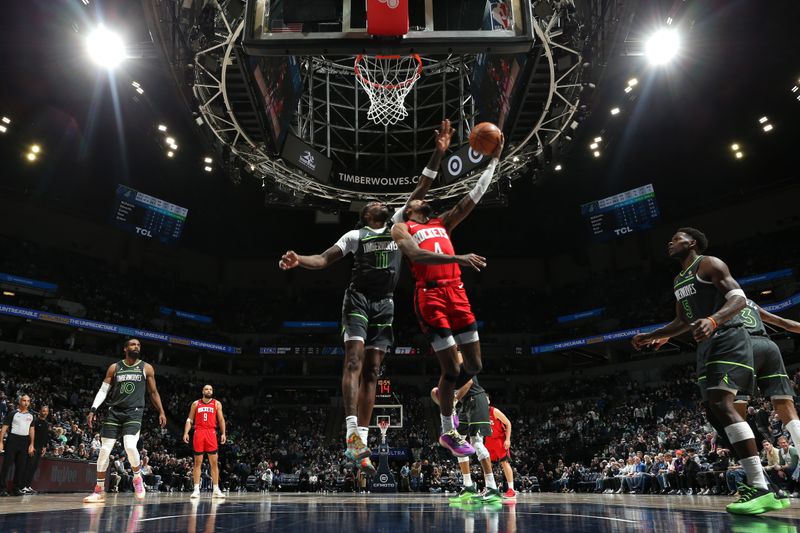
(456, 443)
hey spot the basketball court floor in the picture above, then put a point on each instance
(396, 513)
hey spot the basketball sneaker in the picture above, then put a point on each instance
(510, 494)
(753, 500)
(465, 495)
(356, 449)
(138, 487)
(195, 493)
(366, 466)
(456, 443)
(218, 493)
(98, 496)
(490, 497)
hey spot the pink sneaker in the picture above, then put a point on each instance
(456, 443)
(138, 487)
(510, 494)
(98, 496)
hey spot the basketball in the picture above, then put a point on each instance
(484, 138)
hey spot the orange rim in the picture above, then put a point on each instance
(418, 73)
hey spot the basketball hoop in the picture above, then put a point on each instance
(387, 81)
(383, 425)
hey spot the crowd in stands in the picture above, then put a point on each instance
(604, 435)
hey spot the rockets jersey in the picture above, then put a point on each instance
(433, 237)
(205, 416)
(498, 429)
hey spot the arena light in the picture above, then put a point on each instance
(3, 129)
(105, 47)
(767, 128)
(662, 46)
(558, 168)
(208, 160)
(763, 293)
(628, 89)
(136, 84)
(598, 139)
(31, 156)
(515, 159)
(762, 120)
(614, 111)
(173, 146)
(739, 155)
(140, 90)
(633, 82)
(6, 120)
(170, 140)
(162, 127)
(35, 148)
(207, 168)
(593, 146)
(596, 153)
(170, 154)
(735, 146)
(8, 293)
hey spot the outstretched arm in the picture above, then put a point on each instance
(717, 271)
(292, 259)
(410, 249)
(779, 321)
(676, 327)
(464, 207)
(150, 375)
(443, 136)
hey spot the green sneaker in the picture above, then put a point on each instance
(465, 495)
(753, 500)
(491, 497)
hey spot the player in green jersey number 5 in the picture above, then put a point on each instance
(124, 385)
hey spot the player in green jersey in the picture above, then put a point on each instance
(709, 301)
(124, 386)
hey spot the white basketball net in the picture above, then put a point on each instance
(383, 425)
(387, 80)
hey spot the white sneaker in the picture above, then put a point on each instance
(98, 496)
(195, 493)
(138, 487)
(218, 494)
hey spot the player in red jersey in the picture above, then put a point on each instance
(205, 414)
(440, 301)
(499, 446)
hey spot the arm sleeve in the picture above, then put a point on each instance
(483, 182)
(398, 214)
(101, 395)
(348, 243)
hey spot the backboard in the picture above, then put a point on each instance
(393, 412)
(345, 27)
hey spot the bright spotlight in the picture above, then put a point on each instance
(31, 156)
(762, 120)
(140, 90)
(767, 127)
(173, 146)
(3, 129)
(593, 146)
(105, 47)
(170, 154)
(208, 160)
(615, 111)
(558, 168)
(628, 89)
(633, 82)
(739, 155)
(207, 169)
(170, 140)
(596, 153)
(598, 139)
(6, 120)
(35, 148)
(162, 127)
(735, 146)
(662, 47)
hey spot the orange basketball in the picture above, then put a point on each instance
(484, 138)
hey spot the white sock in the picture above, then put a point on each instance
(447, 423)
(351, 423)
(793, 427)
(490, 482)
(755, 472)
(216, 488)
(363, 433)
(467, 480)
(197, 487)
(510, 485)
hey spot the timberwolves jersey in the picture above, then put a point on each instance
(698, 298)
(474, 389)
(128, 387)
(752, 320)
(376, 262)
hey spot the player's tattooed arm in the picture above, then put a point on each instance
(410, 249)
(150, 375)
(657, 338)
(292, 259)
(779, 321)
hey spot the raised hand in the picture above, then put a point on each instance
(473, 261)
(443, 136)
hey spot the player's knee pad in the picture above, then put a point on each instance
(481, 452)
(106, 445)
(463, 459)
(467, 337)
(129, 442)
(439, 343)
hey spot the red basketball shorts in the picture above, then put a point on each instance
(496, 450)
(205, 441)
(444, 310)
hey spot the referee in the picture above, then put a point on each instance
(18, 446)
